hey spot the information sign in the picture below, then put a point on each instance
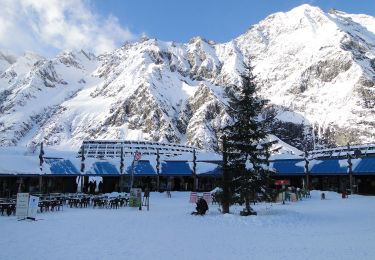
(22, 205)
(33, 207)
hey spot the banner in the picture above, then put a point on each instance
(33, 207)
(135, 197)
(282, 182)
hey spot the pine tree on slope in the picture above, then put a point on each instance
(247, 152)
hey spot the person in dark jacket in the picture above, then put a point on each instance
(201, 208)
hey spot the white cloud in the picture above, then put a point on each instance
(47, 26)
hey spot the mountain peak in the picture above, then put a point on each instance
(317, 70)
(306, 8)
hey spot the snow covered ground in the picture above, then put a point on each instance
(310, 229)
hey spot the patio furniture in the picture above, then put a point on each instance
(193, 197)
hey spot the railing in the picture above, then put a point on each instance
(342, 151)
(103, 148)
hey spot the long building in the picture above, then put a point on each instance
(175, 164)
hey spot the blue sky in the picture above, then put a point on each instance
(217, 20)
(48, 27)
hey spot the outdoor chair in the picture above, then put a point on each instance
(287, 196)
(124, 201)
(2, 209)
(56, 205)
(100, 202)
(73, 202)
(207, 197)
(193, 197)
(53, 205)
(40, 205)
(84, 202)
(11, 209)
(114, 203)
(95, 202)
(61, 204)
(44, 206)
(215, 198)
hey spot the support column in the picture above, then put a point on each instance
(40, 184)
(226, 179)
(81, 184)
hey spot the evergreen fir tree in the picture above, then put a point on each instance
(246, 150)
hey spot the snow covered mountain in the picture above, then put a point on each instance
(316, 68)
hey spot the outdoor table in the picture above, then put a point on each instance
(42, 205)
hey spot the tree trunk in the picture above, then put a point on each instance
(226, 180)
(247, 203)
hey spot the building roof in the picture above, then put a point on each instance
(61, 166)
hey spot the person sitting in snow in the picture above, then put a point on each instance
(201, 208)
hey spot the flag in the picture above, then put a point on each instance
(41, 154)
(122, 161)
(137, 156)
(83, 159)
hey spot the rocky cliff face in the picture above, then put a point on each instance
(318, 65)
(316, 68)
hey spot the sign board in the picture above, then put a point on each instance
(33, 207)
(22, 205)
(282, 182)
(135, 197)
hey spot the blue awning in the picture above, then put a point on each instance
(284, 167)
(141, 168)
(288, 167)
(105, 168)
(217, 172)
(61, 166)
(176, 168)
(366, 166)
(208, 169)
(329, 167)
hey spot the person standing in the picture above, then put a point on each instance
(100, 187)
(169, 188)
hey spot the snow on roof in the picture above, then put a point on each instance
(16, 164)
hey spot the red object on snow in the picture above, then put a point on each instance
(193, 197)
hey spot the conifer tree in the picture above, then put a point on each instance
(246, 149)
